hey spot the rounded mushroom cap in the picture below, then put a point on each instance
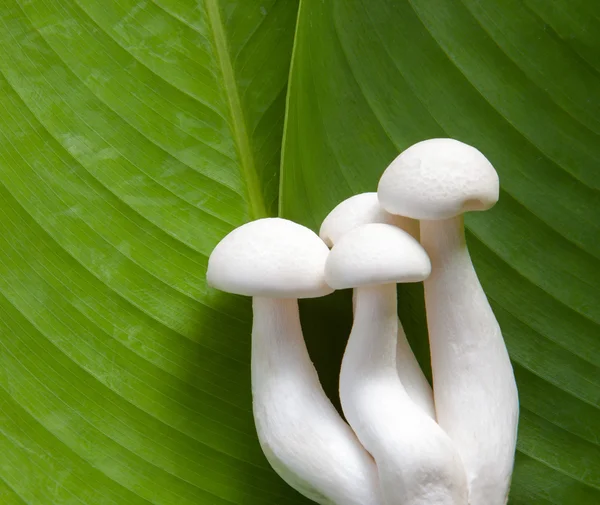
(273, 258)
(376, 254)
(438, 179)
(356, 211)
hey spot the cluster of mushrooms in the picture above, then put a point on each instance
(404, 444)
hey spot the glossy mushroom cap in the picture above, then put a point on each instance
(272, 258)
(376, 254)
(438, 179)
(356, 211)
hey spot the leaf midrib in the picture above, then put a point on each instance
(240, 133)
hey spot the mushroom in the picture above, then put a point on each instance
(475, 393)
(417, 461)
(302, 435)
(365, 209)
(361, 209)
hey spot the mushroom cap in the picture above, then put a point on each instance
(376, 253)
(356, 211)
(438, 179)
(273, 258)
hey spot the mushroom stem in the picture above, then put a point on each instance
(411, 376)
(375, 317)
(279, 353)
(416, 460)
(302, 435)
(474, 388)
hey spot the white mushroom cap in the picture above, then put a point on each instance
(376, 254)
(356, 211)
(438, 179)
(273, 258)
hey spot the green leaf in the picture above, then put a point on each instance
(520, 80)
(133, 136)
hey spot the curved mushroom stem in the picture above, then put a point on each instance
(416, 460)
(411, 376)
(474, 387)
(302, 435)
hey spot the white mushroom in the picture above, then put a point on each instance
(474, 387)
(303, 437)
(417, 462)
(365, 209)
(357, 210)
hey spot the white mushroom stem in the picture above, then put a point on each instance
(302, 435)
(474, 387)
(411, 376)
(416, 460)
(372, 344)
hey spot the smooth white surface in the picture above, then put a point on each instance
(409, 371)
(270, 257)
(417, 462)
(438, 179)
(375, 254)
(302, 435)
(411, 376)
(475, 393)
(358, 210)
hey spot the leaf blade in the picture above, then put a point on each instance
(124, 378)
(395, 73)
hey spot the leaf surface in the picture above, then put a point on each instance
(519, 80)
(133, 136)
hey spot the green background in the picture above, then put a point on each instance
(135, 134)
